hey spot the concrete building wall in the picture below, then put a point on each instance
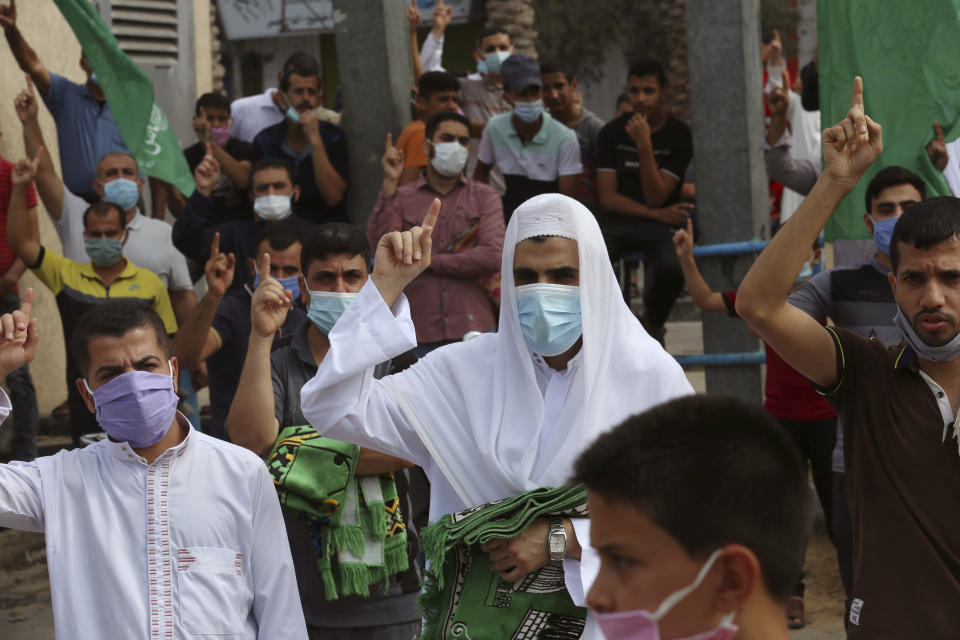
(50, 36)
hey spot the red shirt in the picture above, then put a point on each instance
(6, 184)
(788, 395)
(450, 298)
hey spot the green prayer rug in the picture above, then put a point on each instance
(360, 537)
(464, 600)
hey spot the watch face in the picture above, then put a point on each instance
(558, 542)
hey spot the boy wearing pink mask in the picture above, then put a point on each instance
(698, 510)
(230, 198)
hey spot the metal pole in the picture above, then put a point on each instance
(376, 76)
(726, 79)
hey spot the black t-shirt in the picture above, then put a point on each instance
(227, 201)
(616, 151)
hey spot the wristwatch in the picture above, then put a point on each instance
(557, 540)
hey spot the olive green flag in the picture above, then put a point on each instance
(129, 92)
(907, 53)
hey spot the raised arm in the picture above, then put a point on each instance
(194, 335)
(252, 421)
(22, 230)
(849, 148)
(192, 232)
(343, 400)
(49, 186)
(24, 54)
(21, 498)
(779, 100)
(703, 296)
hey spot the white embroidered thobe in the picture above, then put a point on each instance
(190, 545)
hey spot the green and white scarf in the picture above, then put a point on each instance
(463, 599)
(359, 532)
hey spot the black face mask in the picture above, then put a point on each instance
(810, 94)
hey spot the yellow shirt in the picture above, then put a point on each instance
(78, 288)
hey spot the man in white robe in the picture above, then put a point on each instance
(492, 418)
(175, 538)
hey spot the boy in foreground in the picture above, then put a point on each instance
(698, 512)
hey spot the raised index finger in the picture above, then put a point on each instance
(389, 142)
(215, 246)
(857, 99)
(939, 131)
(26, 303)
(430, 221)
(263, 265)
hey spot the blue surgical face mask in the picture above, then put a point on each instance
(104, 252)
(528, 111)
(293, 115)
(805, 272)
(494, 59)
(883, 233)
(549, 317)
(482, 67)
(121, 192)
(326, 307)
(94, 79)
(944, 353)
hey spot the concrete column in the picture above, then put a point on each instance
(727, 114)
(376, 75)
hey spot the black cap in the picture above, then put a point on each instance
(519, 71)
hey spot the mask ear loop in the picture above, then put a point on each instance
(671, 601)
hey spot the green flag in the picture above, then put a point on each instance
(129, 91)
(907, 53)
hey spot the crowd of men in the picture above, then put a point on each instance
(472, 351)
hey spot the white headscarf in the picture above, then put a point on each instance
(477, 406)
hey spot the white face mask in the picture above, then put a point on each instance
(273, 207)
(449, 158)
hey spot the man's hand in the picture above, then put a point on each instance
(676, 215)
(392, 163)
(18, 342)
(310, 123)
(779, 98)
(772, 52)
(26, 169)
(219, 269)
(8, 15)
(26, 103)
(207, 173)
(937, 149)
(851, 145)
(683, 241)
(413, 16)
(270, 302)
(202, 128)
(442, 14)
(515, 558)
(403, 255)
(639, 130)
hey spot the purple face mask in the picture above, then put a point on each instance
(644, 625)
(137, 407)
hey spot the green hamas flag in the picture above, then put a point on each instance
(129, 92)
(907, 53)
